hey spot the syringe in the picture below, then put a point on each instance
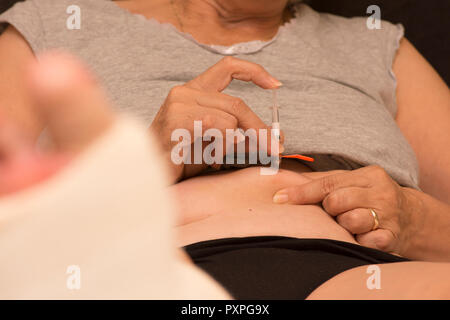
(275, 115)
(276, 129)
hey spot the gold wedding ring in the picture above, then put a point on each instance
(376, 222)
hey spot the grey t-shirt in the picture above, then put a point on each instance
(338, 98)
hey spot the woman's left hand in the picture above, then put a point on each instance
(350, 196)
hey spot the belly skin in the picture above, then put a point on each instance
(239, 204)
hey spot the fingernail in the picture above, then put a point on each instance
(276, 82)
(280, 198)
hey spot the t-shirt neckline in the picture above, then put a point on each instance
(248, 47)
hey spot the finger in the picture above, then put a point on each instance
(356, 221)
(235, 106)
(380, 239)
(210, 126)
(247, 119)
(346, 199)
(226, 103)
(20, 164)
(316, 190)
(69, 100)
(219, 76)
(217, 119)
(209, 118)
(223, 129)
(27, 170)
(12, 142)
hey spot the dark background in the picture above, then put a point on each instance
(427, 23)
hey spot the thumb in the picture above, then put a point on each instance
(69, 101)
(220, 75)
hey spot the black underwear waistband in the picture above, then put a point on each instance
(272, 267)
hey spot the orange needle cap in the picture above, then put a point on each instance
(297, 156)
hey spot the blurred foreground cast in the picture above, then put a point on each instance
(107, 214)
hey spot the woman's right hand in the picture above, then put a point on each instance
(201, 100)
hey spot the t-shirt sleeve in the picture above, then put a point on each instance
(382, 45)
(394, 35)
(25, 17)
(391, 36)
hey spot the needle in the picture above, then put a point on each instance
(275, 115)
(276, 129)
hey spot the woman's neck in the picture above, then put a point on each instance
(217, 22)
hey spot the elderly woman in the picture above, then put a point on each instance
(362, 102)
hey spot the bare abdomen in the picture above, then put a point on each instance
(239, 204)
